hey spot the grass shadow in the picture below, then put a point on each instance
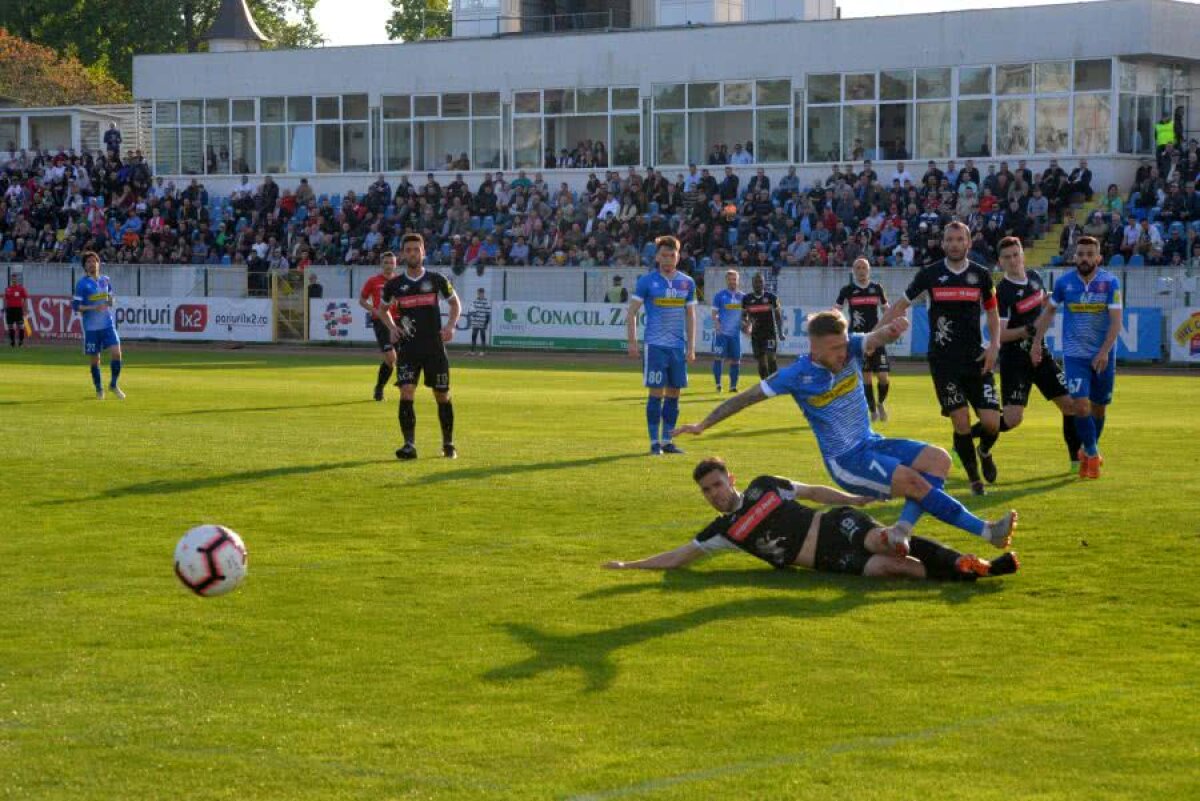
(472, 473)
(241, 409)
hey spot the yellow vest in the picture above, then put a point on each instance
(1164, 133)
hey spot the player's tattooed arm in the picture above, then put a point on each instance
(669, 560)
(727, 409)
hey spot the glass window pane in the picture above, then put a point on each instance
(858, 132)
(166, 151)
(668, 95)
(1093, 75)
(425, 106)
(300, 149)
(166, 113)
(774, 93)
(738, 93)
(860, 86)
(1012, 127)
(485, 145)
(1093, 113)
(1133, 132)
(896, 85)
(397, 146)
(933, 130)
(974, 80)
(299, 109)
(442, 145)
(704, 95)
(974, 128)
(216, 151)
(933, 83)
(396, 107)
(457, 104)
(241, 149)
(243, 111)
(707, 130)
(824, 135)
(329, 148)
(356, 151)
(624, 99)
(824, 88)
(1145, 124)
(592, 101)
(1052, 120)
(272, 109)
(1053, 76)
(559, 101)
(528, 103)
(328, 108)
(354, 107)
(216, 112)
(1128, 76)
(1014, 79)
(669, 145)
(486, 104)
(191, 151)
(190, 112)
(895, 131)
(626, 140)
(274, 148)
(771, 136)
(527, 143)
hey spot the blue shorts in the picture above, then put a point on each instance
(727, 346)
(1084, 382)
(867, 469)
(665, 367)
(95, 342)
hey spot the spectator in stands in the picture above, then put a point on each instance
(1079, 182)
(740, 157)
(616, 293)
(112, 140)
(315, 290)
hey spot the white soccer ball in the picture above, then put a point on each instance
(211, 560)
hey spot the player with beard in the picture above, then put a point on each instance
(1021, 296)
(763, 320)
(370, 299)
(422, 341)
(1090, 299)
(864, 299)
(960, 365)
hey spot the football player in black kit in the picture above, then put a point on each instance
(763, 321)
(421, 341)
(960, 365)
(864, 299)
(1021, 295)
(768, 522)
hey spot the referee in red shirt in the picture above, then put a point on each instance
(15, 298)
(369, 298)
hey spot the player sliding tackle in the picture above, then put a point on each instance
(827, 386)
(768, 522)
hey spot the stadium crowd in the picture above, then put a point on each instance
(56, 205)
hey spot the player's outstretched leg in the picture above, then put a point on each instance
(921, 484)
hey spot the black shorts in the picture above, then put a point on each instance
(842, 541)
(961, 385)
(383, 336)
(761, 347)
(877, 362)
(1018, 375)
(14, 315)
(433, 362)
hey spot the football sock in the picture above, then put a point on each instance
(446, 418)
(986, 440)
(408, 421)
(965, 448)
(1071, 436)
(717, 372)
(912, 511)
(21, 334)
(763, 372)
(654, 408)
(96, 377)
(385, 372)
(1099, 423)
(1085, 427)
(670, 416)
(951, 512)
(735, 372)
(772, 365)
(12, 336)
(883, 391)
(115, 368)
(939, 561)
(869, 391)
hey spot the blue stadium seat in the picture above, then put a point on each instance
(489, 224)
(474, 224)
(1136, 260)
(1056, 261)
(1117, 260)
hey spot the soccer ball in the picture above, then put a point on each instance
(211, 560)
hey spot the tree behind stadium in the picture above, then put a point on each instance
(37, 76)
(414, 20)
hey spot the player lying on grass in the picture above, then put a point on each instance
(768, 522)
(827, 386)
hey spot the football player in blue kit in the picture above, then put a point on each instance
(727, 330)
(93, 302)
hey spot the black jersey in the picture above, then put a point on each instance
(955, 300)
(865, 304)
(1021, 304)
(769, 524)
(760, 309)
(415, 306)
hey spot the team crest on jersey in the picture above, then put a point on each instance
(972, 279)
(1035, 284)
(753, 495)
(857, 320)
(943, 279)
(944, 332)
(426, 286)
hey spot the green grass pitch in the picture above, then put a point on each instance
(443, 630)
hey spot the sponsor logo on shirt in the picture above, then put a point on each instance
(1031, 302)
(843, 387)
(758, 309)
(865, 300)
(668, 302)
(411, 301)
(1087, 308)
(956, 294)
(751, 520)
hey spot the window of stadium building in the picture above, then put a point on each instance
(729, 122)
(583, 128)
(1146, 92)
(10, 134)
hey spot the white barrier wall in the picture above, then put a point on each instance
(223, 319)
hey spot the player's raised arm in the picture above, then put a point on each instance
(668, 560)
(727, 409)
(818, 493)
(895, 311)
(885, 335)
